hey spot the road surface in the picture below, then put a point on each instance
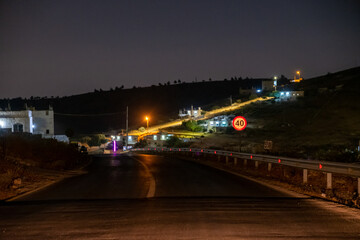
(156, 197)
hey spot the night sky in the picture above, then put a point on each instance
(66, 47)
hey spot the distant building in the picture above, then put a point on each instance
(290, 95)
(157, 140)
(222, 121)
(190, 112)
(28, 121)
(267, 85)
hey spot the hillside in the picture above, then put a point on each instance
(324, 124)
(105, 110)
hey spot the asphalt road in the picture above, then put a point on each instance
(154, 197)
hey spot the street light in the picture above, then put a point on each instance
(147, 122)
(275, 82)
(298, 73)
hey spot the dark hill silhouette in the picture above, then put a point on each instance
(105, 110)
(101, 111)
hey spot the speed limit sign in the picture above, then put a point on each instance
(239, 123)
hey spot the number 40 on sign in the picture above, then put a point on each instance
(239, 123)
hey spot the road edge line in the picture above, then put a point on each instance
(152, 185)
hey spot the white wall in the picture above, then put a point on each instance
(9, 118)
(43, 120)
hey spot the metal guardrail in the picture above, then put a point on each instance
(348, 169)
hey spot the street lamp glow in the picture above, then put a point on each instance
(147, 122)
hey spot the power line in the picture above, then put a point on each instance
(88, 115)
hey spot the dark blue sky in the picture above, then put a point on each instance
(65, 47)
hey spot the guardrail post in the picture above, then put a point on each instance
(218, 158)
(329, 180)
(358, 186)
(269, 167)
(235, 163)
(256, 164)
(305, 176)
(227, 160)
(245, 162)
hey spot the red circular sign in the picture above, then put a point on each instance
(239, 123)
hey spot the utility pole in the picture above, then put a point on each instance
(127, 127)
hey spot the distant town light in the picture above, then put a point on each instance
(117, 138)
(129, 138)
(2, 124)
(259, 90)
(155, 137)
(282, 93)
(162, 137)
(33, 126)
(287, 93)
(211, 122)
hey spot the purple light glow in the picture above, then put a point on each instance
(114, 146)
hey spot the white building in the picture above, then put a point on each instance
(290, 95)
(219, 121)
(190, 112)
(28, 121)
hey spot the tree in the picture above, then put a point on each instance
(69, 132)
(193, 126)
(142, 143)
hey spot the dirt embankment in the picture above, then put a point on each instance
(29, 162)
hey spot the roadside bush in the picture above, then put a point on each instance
(44, 153)
(142, 143)
(176, 142)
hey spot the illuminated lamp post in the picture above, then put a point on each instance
(147, 122)
(275, 82)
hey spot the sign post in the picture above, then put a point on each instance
(239, 123)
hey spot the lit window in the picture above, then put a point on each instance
(155, 137)
(129, 138)
(282, 93)
(211, 122)
(287, 93)
(162, 137)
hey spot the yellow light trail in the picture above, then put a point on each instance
(209, 114)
